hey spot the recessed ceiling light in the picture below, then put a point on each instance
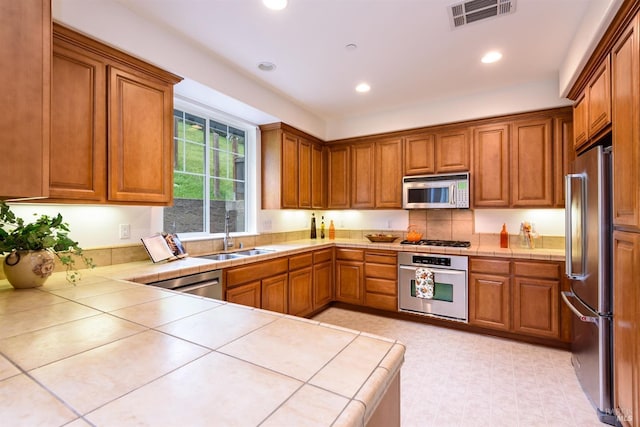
(267, 66)
(363, 87)
(351, 46)
(491, 57)
(275, 4)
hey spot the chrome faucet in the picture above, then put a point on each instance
(227, 241)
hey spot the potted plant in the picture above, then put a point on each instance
(32, 248)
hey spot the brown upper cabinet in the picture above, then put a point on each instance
(531, 163)
(365, 175)
(490, 177)
(592, 109)
(25, 82)
(521, 163)
(625, 68)
(292, 169)
(440, 152)
(111, 125)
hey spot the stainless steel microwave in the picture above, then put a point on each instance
(440, 191)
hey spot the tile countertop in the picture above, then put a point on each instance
(112, 352)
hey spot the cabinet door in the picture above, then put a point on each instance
(322, 284)
(304, 174)
(599, 98)
(536, 307)
(274, 293)
(318, 177)
(301, 292)
(78, 156)
(563, 155)
(248, 294)
(490, 301)
(452, 151)
(491, 166)
(626, 324)
(531, 164)
(290, 171)
(349, 282)
(25, 85)
(339, 178)
(388, 174)
(626, 125)
(580, 127)
(419, 154)
(140, 138)
(362, 176)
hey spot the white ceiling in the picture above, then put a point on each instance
(407, 50)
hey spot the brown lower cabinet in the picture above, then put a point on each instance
(296, 285)
(381, 280)
(349, 276)
(626, 324)
(518, 296)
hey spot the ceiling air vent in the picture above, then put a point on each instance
(464, 13)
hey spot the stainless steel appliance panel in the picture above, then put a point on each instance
(588, 264)
(207, 284)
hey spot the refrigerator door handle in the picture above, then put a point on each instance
(576, 275)
(584, 318)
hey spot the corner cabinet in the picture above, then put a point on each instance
(25, 82)
(111, 125)
(293, 169)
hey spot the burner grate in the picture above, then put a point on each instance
(447, 243)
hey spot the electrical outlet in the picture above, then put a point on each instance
(389, 224)
(125, 231)
(266, 225)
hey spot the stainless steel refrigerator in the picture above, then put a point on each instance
(588, 265)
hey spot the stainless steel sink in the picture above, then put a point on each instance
(222, 257)
(235, 255)
(250, 252)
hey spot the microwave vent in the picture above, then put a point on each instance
(463, 13)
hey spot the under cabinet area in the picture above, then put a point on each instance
(111, 125)
(518, 296)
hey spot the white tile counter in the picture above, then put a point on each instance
(114, 353)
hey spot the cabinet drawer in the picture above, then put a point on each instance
(384, 302)
(543, 270)
(300, 261)
(350, 254)
(256, 271)
(381, 257)
(381, 286)
(383, 271)
(491, 266)
(322, 256)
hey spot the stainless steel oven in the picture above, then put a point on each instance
(449, 281)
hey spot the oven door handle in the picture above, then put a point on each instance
(435, 270)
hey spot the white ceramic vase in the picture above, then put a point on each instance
(28, 269)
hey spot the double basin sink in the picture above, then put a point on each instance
(236, 255)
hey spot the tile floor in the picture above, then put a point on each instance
(455, 378)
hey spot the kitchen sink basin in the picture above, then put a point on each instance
(222, 257)
(235, 255)
(250, 252)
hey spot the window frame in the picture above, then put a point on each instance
(251, 156)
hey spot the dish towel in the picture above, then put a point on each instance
(424, 283)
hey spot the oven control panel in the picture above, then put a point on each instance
(432, 260)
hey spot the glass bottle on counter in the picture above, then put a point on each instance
(313, 226)
(322, 227)
(332, 231)
(504, 237)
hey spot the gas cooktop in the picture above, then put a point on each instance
(449, 243)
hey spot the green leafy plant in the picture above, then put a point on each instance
(46, 233)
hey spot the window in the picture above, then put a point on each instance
(209, 174)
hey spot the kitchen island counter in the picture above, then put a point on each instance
(112, 352)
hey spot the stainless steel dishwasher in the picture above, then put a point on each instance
(207, 284)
